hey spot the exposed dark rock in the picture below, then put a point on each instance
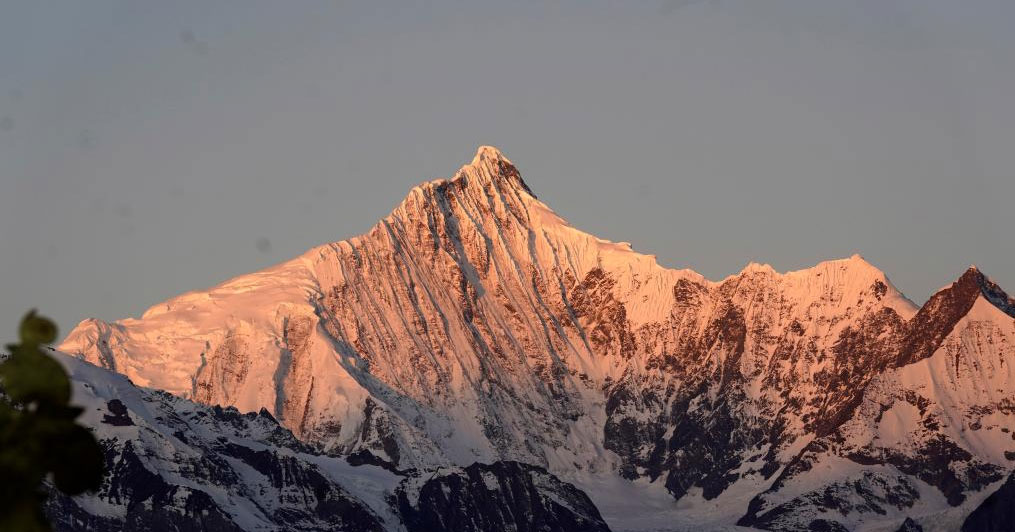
(996, 513)
(910, 526)
(117, 415)
(365, 457)
(496, 497)
(825, 525)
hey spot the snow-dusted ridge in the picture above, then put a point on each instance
(473, 324)
(176, 465)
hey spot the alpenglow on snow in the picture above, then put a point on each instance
(473, 325)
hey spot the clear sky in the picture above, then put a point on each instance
(151, 148)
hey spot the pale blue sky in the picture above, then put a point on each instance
(150, 148)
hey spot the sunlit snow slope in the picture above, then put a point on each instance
(474, 324)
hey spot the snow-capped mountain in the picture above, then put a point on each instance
(475, 325)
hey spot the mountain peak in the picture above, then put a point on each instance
(989, 290)
(490, 166)
(945, 308)
(489, 153)
(971, 285)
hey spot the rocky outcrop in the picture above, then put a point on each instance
(909, 525)
(472, 499)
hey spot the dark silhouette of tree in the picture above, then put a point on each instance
(38, 432)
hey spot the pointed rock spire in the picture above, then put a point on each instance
(943, 310)
(992, 292)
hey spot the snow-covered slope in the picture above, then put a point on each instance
(475, 325)
(175, 465)
(929, 435)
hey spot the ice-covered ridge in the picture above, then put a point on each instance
(486, 166)
(486, 170)
(639, 275)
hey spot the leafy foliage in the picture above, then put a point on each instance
(38, 432)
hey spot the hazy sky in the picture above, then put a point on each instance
(150, 148)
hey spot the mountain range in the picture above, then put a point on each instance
(474, 362)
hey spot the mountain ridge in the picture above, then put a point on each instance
(473, 324)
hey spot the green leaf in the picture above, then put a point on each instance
(37, 329)
(29, 376)
(38, 434)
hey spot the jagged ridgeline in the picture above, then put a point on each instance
(474, 325)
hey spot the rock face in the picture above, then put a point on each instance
(475, 325)
(910, 526)
(473, 499)
(174, 465)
